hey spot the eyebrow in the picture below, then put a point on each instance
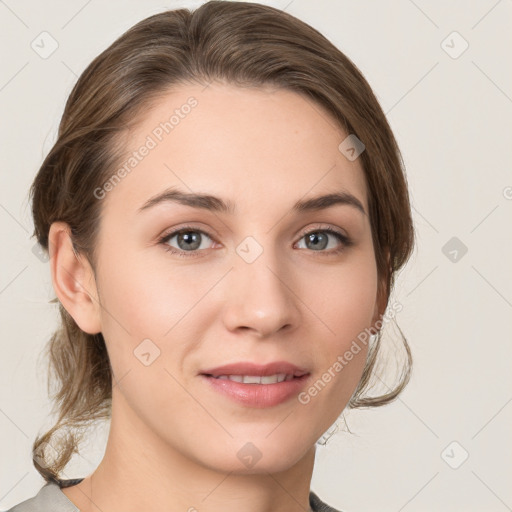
(216, 204)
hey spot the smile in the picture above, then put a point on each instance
(256, 379)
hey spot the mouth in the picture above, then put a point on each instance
(257, 379)
(249, 372)
(259, 386)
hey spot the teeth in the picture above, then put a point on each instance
(247, 379)
(256, 379)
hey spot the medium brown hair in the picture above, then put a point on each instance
(244, 44)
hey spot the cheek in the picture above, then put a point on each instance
(147, 301)
(156, 310)
(345, 301)
(347, 307)
(144, 307)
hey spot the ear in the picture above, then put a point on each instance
(73, 279)
(382, 294)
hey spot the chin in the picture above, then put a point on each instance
(255, 455)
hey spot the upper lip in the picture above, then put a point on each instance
(248, 368)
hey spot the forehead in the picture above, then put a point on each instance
(259, 147)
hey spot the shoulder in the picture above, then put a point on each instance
(48, 499)
(317, 505)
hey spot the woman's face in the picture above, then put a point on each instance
(260, 282)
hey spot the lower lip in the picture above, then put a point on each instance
(258, 395)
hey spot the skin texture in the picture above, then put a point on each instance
(173, 441)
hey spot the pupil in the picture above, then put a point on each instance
(315, 238)
(190, 236)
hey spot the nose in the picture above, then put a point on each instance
(260, 297)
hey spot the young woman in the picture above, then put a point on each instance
(225, 211)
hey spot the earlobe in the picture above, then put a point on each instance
(73, 279)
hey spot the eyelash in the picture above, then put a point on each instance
(345, 241)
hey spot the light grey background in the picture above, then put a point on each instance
(451, 113)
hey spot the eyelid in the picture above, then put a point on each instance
(305, 231)
(323, 227)
(186, 227)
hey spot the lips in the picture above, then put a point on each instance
(248, 369)
(257, 386)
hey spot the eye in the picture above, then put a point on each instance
(318, 239)
(189, 240)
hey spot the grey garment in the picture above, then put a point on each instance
(51, 499)
(317, 505)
